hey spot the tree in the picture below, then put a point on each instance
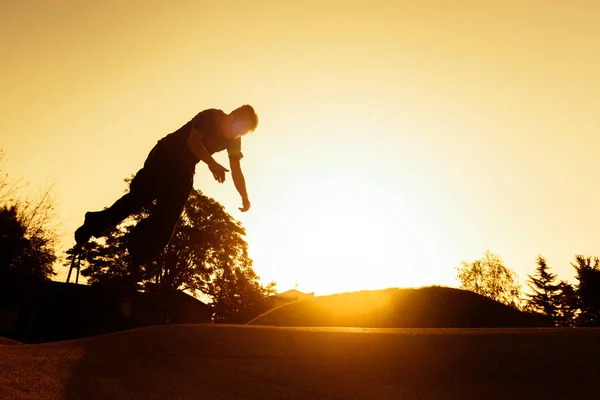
(27, 235)
(206, 256)
(237, 295)
(22, 252)
(489, 277)
(566, 305)
(545, 292)
(8, 187)
(588, 290)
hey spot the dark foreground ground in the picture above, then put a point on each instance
(252, 362)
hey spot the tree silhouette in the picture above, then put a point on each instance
(8, 187)
(22, 253)
(545, 292)
(27, 237)
(588, 290)
(237, 295)
(566, 304)
(489, 277)
(207, 256)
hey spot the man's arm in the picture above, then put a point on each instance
(239, 182)
(197, 147)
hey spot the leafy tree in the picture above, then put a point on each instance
(237, 295)
(22, 252)
(545, 292)
(27, 237)
(489, 277)
(206, 256)
(588, 290)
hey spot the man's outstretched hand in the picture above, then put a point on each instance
(245, 205)
(218, 171)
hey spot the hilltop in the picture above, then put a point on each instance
(428, 307)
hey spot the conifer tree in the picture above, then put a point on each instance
(545, 291)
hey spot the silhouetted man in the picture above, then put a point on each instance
(167, 177)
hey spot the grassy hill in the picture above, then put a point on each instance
(429, 307)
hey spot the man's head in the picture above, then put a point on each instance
(244, 120)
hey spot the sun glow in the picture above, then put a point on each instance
(341, 233)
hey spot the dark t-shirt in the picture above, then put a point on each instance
(174, 149)
(211, 123)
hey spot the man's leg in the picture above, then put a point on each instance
(141, 192)
(149, 238)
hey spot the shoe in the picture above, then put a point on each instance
(85, 232)
(82, 235)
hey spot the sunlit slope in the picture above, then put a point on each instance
(430, 307)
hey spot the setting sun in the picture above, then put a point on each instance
(336, 237)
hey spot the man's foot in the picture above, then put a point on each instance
(85, 232)
(82, 235)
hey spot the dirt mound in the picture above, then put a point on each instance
(429, 307)
(257, 362)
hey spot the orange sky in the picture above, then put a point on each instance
(396, 138)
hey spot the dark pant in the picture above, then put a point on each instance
(157, 180)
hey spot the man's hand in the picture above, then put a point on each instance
(245, 205)
(218, 171)
(239, 182)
